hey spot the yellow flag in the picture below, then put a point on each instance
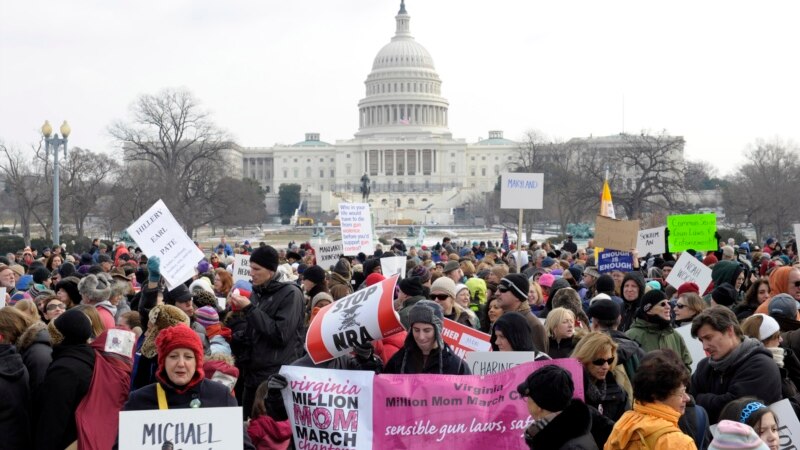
(606, 205)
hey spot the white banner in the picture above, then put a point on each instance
(186, 429)
(522, 190)
(694, 345)
(241, 268)
(356, 226)
(328, 254)
(687, 269)
(393, 265)
(159, 234)
(651, 240)
(485, 363)
(329, 408)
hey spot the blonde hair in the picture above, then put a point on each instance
(94, 317)
(501, 271)
(591, 345)
(13, 323)
(468, 268)
(555, 317)
(694, 302)
(30, 310)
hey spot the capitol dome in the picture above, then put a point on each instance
(403, 90)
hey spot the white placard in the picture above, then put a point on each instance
(522, 190)
(159, 234)
(485, 363)
(328, 254)
(241, 268)
(222, 303)
(687, 269)
(187, 429)
(391, 265)
(356, 228)
(2, 297)
(796, 232)
(694, 345)
(651, 240)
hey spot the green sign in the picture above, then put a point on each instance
(692, 232)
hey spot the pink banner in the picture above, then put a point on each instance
(465, 412)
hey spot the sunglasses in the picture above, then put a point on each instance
(502, 288)
(602, 362)
(440, 297)
(664, 304)
(797, 284)
(680, 306)
(55, 306)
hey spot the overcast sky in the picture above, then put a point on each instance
(719, 73)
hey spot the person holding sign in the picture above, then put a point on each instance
(181, 381)
(424, 350)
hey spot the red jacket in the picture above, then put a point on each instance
(267, 434)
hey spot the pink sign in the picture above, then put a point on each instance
(467, 412)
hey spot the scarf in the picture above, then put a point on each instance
(217, 329)
(737, 355)
(777, 354)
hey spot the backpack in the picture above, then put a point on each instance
(651, 440)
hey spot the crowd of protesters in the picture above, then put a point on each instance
(215, 342)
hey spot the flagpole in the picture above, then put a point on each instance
(519, 243)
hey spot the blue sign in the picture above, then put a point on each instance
(611, 260)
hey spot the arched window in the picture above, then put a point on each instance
(411, 202)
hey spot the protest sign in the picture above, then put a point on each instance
(615, 234)
(329, 407)
(797, 232)
(159, 234)
(687, 269)
(692, 231)
(522, 191)
(611, 260)
(356, 226)
(652, 240)
(694, 345)
(393, 265)
(485, 363)
(241, 268)
(328, 254)
(187, 429)
(463, 339)
(2, 297)
(361, 317)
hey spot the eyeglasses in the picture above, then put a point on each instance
(55, 306)
(601, 362)
(440, 297)
(680, 306)
(502, 288)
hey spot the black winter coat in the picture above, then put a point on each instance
(274, 333)
(567, 431)
(408, 360)
(65, 384)
(37, 353)
(561, 349)
(611, 400)
(629, 352)
(15, 407)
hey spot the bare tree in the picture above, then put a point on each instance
(238, 202)
(85, 177)
(172, 135)
(26, 182)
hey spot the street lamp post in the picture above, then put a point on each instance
(54, 143)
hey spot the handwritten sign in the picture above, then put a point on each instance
(393, 265)
(615, 234)
(328, 254)
(241, 268)
(463, 339)
(652, 240)
(187, 429)
(361, 317)
(692, 232)
(687, 269)
(522, 191)
(611, 260)
(159, 234)
(694, 345)
(356, 227)
(485, 363)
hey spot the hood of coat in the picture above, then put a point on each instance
(35, 334)
(11, 365)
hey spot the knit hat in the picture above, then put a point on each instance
(322, 296)
(370, 265)
(202, 283)
(651, 299)
(576, 273)
(734, 435)
(104, 258)
(181, 294)
(422, 273)
(315, 274)
(427, 311)
(605, 310)
(546, 280)
(710, 260)
(450, 266)
(374, 278)
(206, 316)
(203, 266)
(161, 317)
(411, 286)
(605, 283)
(783, 305)
(547, 262)
(550, 387)
(179, 336)
(266, 257)
(70, 328)
(768, 328)
(245, 288)
(654, 285)
(342, 268)
(724, 294)
(688, 287)
(444, 285)
(591, 271)
(202, 298)
(517, 284)
(95, 288)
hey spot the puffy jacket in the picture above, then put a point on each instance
(37, 353)
(651, 337)
(274, 330)
(657, 424)
(15, 409)
(570, 430)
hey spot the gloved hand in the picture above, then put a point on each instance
(154, 269)
(363, 351)
(277, 381)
